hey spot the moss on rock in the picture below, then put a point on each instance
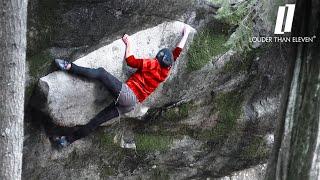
(160, 174)
(257, 149)
(42, 24)
(150, 142)
(205, 45)
(240, 65)
(106, 140)
(107, 171)
(228, 106)
(177, 113)
(39, 65)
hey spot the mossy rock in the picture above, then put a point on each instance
(159, 174)
(107, 171)
(177, 113)
(151, 142)
(39, 65)
(256, 149)
(228, 106)
(242, 64)
(106, 140)
(44, 25)
(206, 45)
(168, 122)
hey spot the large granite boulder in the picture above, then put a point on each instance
(72, 100)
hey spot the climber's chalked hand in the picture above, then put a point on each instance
(126, 39)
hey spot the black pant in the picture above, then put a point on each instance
(109, 81)
(112, 84)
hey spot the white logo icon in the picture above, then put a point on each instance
(280, 19)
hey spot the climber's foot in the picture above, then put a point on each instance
(61, 142)
(63, 64)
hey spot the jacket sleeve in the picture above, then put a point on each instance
(135, 63)
(176, 53)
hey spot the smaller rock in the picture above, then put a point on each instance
(254, 173)
(269, 138)
(127, 145)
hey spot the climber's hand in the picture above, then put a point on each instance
(126, 39)
(186, 30)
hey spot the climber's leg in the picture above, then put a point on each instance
(103, 116)
(112, 83)
(124, 104)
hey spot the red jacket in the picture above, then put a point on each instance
(148, 76)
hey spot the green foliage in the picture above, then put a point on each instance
(240, 39)
(232, 15)
(240, 16)
(149, 142)
(205, 45)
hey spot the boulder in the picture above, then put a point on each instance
(71, 100)
(254, 173)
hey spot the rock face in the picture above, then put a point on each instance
(179, 141)
(61, 23)
(73, 101)
(209, 122)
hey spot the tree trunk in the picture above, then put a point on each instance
(13, 20)
(296, 153)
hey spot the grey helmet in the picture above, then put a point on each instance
(165, 57)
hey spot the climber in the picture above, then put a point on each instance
(150, 73)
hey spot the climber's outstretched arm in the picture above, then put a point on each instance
(131, 60)
(186, 31)
(127, 41)
(176, 52)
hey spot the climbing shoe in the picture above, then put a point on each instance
(61, 142)
(62, 64)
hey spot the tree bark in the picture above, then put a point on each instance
(296, 153)
(13, 18)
